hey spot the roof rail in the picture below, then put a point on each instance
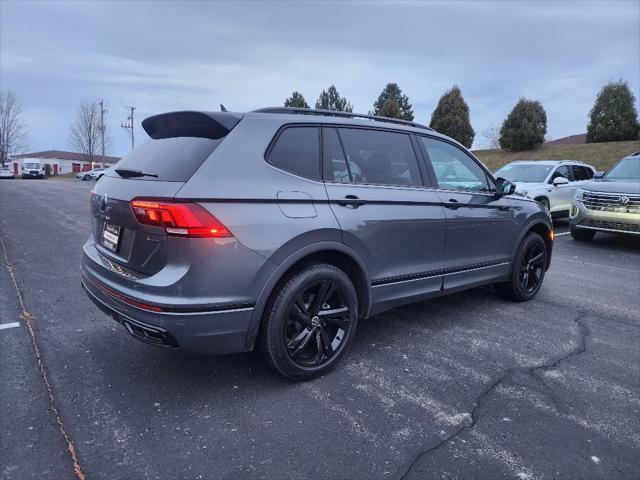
(334, 113)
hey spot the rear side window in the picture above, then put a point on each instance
(171, 159)
(297, 150)
(581, 173)
(376, 157)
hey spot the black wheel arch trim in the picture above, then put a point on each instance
(543, 221)
(285, 265)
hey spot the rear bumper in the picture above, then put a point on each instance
(217, 331)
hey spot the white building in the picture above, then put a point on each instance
(61, 162)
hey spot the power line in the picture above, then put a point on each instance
(129, 126)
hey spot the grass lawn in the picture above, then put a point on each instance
(600, 155)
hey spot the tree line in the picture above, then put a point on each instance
(613, 117)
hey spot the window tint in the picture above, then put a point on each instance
(563, 171)
(378, 157)
(581, 173)
(171, 159)
(454, 169)
(297, 150)
(336, 168)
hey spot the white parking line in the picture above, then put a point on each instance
(560, 234)
(9, 325)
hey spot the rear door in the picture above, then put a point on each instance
(481, 231)
(387, 210)
(180, 143)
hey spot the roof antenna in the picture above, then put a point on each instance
(222, 108)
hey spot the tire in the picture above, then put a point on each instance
(99, 177)
(86, 178)
(527, 271)
(582, 235)
(302, 338)
(544, 201)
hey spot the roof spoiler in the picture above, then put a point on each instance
(212, 125)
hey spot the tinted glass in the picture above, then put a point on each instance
(581, 173)
(172, 159)
(454, 169)
(563, 171)
(524, 172)
(297, 150)
(336, 168)
(378, 157)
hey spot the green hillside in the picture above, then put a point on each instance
(600, 155)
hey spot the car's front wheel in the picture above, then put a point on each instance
(309, 322)
(582, 235)
(527, 271)
(86, 178)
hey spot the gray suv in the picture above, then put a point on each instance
(282, 228)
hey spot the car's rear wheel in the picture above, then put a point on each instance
(309, 322)
(582, 235)
(86, 178)
(527, 271)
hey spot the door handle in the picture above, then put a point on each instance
(452, 204)
(351, 201)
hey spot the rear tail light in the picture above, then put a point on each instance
(179, 219)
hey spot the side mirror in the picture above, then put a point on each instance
(560, 181)
(504, 187)
(598, 174)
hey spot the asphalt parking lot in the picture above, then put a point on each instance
(466, 386)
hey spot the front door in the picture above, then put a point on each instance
(481, 229)
(387, 211)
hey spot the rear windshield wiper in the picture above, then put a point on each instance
(126, 173)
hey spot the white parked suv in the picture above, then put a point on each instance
(551, 182)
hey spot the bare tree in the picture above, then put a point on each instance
(85, 134)
(13, 130)
(491, 136)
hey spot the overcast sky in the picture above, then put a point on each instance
(161, 56)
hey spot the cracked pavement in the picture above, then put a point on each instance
(466, 386)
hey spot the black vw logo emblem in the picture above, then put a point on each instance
(623, 200)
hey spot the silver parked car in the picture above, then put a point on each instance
(610, 203)
(282, 228)
(551, 182)
(93, 174)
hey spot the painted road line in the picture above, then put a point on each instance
(9, 325)
(560, 234)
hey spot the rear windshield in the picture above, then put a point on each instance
(171, 159)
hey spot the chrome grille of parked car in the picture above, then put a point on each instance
(612, 202)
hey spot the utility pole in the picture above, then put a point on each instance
(129, 125)
(102, 127)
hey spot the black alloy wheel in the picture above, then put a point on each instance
(309, 321)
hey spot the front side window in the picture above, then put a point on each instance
(562, 171)
(297, 150)
(454, 169)
(377, 157)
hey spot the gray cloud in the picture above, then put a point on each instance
(173, 55)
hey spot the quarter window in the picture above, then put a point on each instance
(454, 169)
(297, 150)
(375, 157)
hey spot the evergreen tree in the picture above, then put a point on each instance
(392, 92)
(296, 100)
(331, 100)
(525, 127)
(451, 117)
(614, 116)
(390, 109)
